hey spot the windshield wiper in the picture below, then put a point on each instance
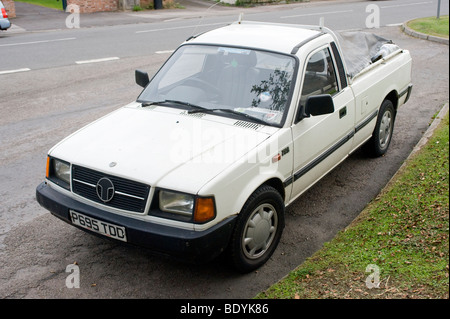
(144, 104)
(249, 117)
(200, 109)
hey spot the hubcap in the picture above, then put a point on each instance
(385, 129)
(259, 231)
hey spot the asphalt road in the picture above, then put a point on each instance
(143, 33)
(49, 102)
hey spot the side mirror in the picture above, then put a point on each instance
(142, 78)
(319, 105)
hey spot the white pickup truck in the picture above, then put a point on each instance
(236, 125)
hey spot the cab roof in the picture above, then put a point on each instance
(272, 37)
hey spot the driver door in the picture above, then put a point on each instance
(321, 142)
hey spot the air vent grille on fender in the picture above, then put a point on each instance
(248, 125)
(197, 115)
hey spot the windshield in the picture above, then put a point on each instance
(256, 84)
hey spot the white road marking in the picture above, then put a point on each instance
(164, 52)
(97, 60)
(14, 71)
(173, 19)
(405, 5)
(316, 14)
(183, 27)
(35, 42)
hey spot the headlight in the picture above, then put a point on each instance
(58, 172)
(62, 171)
(197, 209)
(177, 203)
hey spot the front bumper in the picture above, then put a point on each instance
(188, 245)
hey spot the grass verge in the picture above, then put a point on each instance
(432, 26)
(53, 4)
(398, 247)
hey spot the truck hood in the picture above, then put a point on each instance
(160, 146)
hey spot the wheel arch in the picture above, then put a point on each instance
(254, 183)
(277, 184)
(393, 97)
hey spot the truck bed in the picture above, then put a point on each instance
(360, 50)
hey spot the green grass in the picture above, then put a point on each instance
(404, 232)
(432, 26)
(53, 4)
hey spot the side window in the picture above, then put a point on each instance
(320, 76)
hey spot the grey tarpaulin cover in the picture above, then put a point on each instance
(360, 49)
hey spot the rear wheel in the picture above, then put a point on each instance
(382, 135)
(258, 229)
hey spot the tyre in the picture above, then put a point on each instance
(382, 134)
(258, 229)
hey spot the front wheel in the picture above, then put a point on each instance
(258, 229)
(382, 135)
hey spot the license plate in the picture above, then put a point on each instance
(98, 226)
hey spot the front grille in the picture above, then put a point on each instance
(128, 195)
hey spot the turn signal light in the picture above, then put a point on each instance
(204, 210)
(47, 170)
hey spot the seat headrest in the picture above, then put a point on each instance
(242, 59)
(316, 66)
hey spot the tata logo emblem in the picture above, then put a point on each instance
(105, 189)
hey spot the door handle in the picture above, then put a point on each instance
(343, 112)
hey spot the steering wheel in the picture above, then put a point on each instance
(202, 84)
